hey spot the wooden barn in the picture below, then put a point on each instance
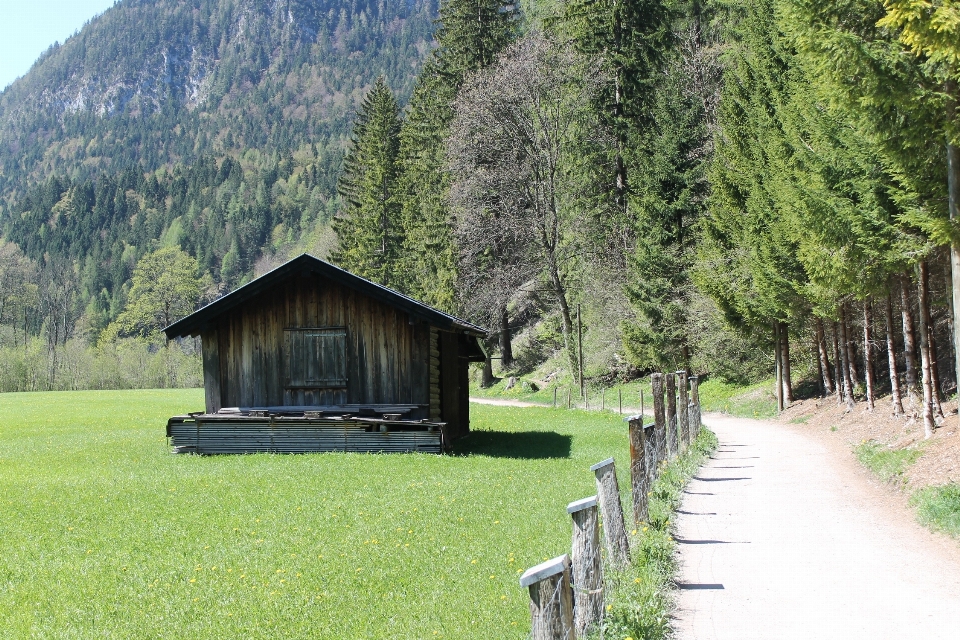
(309, 357)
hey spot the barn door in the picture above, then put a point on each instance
(315, 358)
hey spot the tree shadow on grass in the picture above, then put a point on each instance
(512, 444)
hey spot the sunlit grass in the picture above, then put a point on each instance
(104, 533)
(939, 508)
(888, 464)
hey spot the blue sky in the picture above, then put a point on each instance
(28, 27)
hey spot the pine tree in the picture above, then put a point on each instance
(633, 39)
(368, 228)
(670, 194)
(748, 259)
(471, 34)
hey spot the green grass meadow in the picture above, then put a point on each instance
(105, 533)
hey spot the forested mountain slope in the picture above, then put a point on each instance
(157, 82)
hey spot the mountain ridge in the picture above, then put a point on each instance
(152, 84)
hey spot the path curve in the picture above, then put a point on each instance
(783, 535)
(505, 402)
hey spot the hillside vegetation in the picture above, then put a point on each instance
(153, 83)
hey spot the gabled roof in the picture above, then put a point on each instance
(307, 264)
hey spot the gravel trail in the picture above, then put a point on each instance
(783, 535)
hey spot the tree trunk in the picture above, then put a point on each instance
(785, 354)
(892, 360)
(568, 341)
(934, 370)
(824, 360)
(923, 303)
(845, 356)
(506, 346)
(953, 193)
(778, 364)
(868, 353)
(486, 380)
(909, 347)
(838, 368)
(848, 343)
(820, 378)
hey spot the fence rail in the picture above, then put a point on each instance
(567, 592)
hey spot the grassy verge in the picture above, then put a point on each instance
(608, 396)
(642, 596)
(105, 533)
(888, 464)
(751, 401)
(939, 508)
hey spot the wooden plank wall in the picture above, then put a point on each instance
(435, 408)
(450, 382)
(388, 357)
(211, 370)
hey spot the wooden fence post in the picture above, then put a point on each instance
(568, 397)
(639, 474)
(554, 397)
(650, 453)
(614, 530)
(551, 600)
(683, 411)
(695, 406)
(672, 447)
(587, 565)
(659, 419)
(620, 400)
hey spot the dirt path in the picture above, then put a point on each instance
(783, 535)
(506, 402)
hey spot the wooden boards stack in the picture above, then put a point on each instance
(213, 434)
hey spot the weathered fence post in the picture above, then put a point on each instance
(551, 600)
(695, 406)
(620, 401)
(639, 474)
(587, 566)
(614, 530)
(568, 397)
(659, 419)
(683, 412)
(672, 447)
(554, 397)
(650, 453)
(603, 399)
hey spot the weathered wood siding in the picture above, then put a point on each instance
(388, 359)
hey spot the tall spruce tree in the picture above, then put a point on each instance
(471, 34)
(369, 233)
(633, 38)
(670, 193)
(748, 260)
